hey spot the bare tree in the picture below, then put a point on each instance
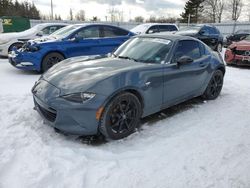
(139, 19)
(80, 15)
(115, 14)
(70, 14)
(214, 10)
(235, 6)
(220, 9)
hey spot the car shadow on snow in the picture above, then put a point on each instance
(24, 72)
(149, 120)
(171, 111)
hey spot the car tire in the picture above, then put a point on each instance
(219, 47)
(214, 86)
(121, 116)
(51, 59)
(17, 45)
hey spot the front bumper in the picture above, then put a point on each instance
(68, 117)
(232, 58)
(25, 60)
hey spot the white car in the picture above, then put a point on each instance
(17, 39)
(149, 28)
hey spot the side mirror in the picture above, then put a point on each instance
(150, 31)
(77, 38)
(184, 60)
(39, 34)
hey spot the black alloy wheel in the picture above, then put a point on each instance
(215, 85)
(121, 116)
(50, 60)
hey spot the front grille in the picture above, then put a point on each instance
(49, 114)
(242, 52)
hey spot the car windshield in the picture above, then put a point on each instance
(144, 49)
(65, 31)
(140, 28)
(247, 38)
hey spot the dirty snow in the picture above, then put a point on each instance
(195, 144)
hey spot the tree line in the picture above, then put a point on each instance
(204, 11)
(211, 11)
(14, 8)
(195, 11)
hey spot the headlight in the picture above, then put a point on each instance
(4, 41)
(32, 48)
(79, 97)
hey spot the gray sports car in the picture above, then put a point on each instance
(108, 96)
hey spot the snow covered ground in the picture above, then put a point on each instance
(196, 144)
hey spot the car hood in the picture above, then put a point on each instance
(241, 45)
(187, 33)
(45, 39)
(17, 35)
(80, 74)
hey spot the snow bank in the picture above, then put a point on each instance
(196, 144)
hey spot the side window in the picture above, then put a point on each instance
(164, 28)
(89, 32)
(173, 28)
(51, 29)
(204, 50)
(46, 30)
(167, 28)
(113, 32)
(187, 48)
(153, 29)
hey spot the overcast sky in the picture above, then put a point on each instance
(130, 8)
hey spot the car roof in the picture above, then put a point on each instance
(88, 24)
(48, 24)
(168, 36)
(151, 24)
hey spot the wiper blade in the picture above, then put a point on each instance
(129, 58)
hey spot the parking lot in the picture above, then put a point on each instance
(195, 144)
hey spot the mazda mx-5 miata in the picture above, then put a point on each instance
(144, 75)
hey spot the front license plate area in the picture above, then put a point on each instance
(246, 59)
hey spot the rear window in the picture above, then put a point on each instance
(113, 32)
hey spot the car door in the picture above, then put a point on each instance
(111, 38)
(182, 82)
(85, 41)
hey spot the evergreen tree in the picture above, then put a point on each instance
(24, 9)
(193, 8)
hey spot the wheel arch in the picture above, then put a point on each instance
(49, 52)
(222, 69)
(16, 42)
(133, 90)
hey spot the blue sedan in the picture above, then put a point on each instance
(109, 95)
(74, 40)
